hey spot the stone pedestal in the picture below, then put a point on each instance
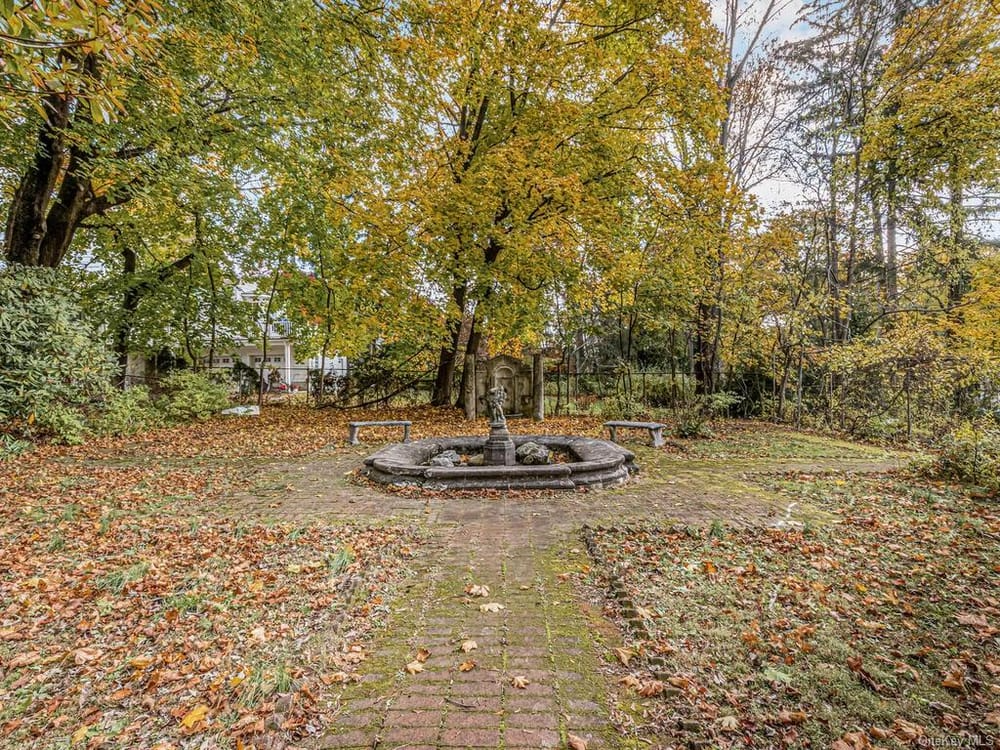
(499, 448)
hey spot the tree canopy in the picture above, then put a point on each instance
(442, 178)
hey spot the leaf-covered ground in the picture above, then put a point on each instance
(150, 599)
(874, 629)
(287, 431)
(744, 439)
(130, 618)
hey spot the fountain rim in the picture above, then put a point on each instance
(599, 463)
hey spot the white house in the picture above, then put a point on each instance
(279, 357)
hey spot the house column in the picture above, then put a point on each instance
(288, 365)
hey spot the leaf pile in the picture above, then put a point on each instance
(879, 629)
(127, 622)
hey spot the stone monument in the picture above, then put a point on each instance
(499, 448)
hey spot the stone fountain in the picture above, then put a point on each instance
(502, 461)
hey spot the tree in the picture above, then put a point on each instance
(531, 123)
(933, 138)
(204, 85)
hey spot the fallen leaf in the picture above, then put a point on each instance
(520, 682)
(86, 655)
(79, 735)
(575, 743)
(856, 741)
(651, 688)
(630, 681)
(709, 567)
(955, 678)
(729, 724)
(791, 717)
(625, 655)
(855, 665)
(24, 660)
(645, 614)
(491, 607)
(468, 646)
(852, 741)
(474, 589)
(414, 667)
(974, 621)
(993, 717)
(907, 730)
(467, 666)
(194, 716)
(423, 655)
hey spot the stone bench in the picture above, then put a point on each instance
(655, 430)
(353, 427)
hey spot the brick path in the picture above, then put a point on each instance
(517, 546)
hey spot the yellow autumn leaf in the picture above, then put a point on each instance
(194, 716)
(79, 735)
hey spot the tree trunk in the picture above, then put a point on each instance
(442, 395)
(135, 290)
(130, 304)
(264, 338)
(471, 349)
(959, 275)
(445, 372)
(891, 254)
(26, 218)
(705, 349)
(40, 230)
(469, 387)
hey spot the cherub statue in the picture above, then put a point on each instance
(494, 401)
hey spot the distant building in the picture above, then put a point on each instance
(280, 357)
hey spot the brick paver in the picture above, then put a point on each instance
(517, 545)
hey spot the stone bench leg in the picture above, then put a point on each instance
(657, 434)
(352, 435)
(614, 433)
(406, 433)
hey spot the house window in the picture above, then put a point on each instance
(257, 360)
(225, 360)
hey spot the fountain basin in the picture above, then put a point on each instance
(593, 463)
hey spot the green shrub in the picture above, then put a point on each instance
(11, 447)
(189, 395)
(617, 407)
(971, 454)
(128, 412)
(663, 391)
(880, 428)
(53, 365)
(693, 423)
(694, 418)
(719, 404)
(60, 423)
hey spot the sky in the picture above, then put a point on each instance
(784, 27)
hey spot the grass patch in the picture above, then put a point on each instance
(116, 581)
(882, 622)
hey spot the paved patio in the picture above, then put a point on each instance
(520, 547)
